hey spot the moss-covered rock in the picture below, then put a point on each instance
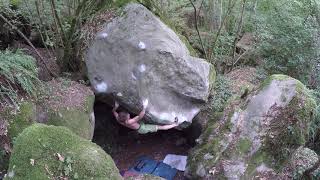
(301, 160)
(69, 104)
(20, 119)
(257, 134)
(42, 152)
(12, 122)
(65, 103)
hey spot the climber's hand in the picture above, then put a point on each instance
(145, 103)
(116, 105)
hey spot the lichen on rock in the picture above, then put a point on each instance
(255, 136)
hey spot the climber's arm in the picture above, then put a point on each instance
(141, 114)
(114, 110)
(137, 118)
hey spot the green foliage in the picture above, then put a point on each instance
(57, 23)
(18, 74)
(287, 36)
(315, 126)
(222, 93)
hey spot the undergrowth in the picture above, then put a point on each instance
(18, 76)
(222, 93)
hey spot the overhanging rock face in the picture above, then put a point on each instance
(138, 57)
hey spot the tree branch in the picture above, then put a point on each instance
(30, 44)
(197, 29)
(230, 7)
(57, 21)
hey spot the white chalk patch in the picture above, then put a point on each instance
(165, 116)
(174, 115)
(194, 111)
(142, 68)
(119, 94)
(101, 87)
(133, 76)
(142, 45)
(145, 103)
(104, 35)
(182, 119)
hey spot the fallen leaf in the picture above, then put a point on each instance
(32, 162)
(60, 157)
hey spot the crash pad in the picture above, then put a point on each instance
(147, 165)
(176, 161)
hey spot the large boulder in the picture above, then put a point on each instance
(256, 135)
(49, 152)
(138, 57)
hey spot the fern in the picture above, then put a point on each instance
(18, 75)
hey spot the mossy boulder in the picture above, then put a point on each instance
(65, 103)
(12, 122)
(69, 104)
(42, 152)
(21, 118)
(255, 135)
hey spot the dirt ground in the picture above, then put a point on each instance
(154, 145)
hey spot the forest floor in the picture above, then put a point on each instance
(154, 145)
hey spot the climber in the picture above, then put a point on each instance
(123, 118)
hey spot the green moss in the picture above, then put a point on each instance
(192, 51)
(210, 146)
(121, 3)
(23, 119)
(76, 119)
(40, 143)
(244, 145)
(256, 160)
(279, 77)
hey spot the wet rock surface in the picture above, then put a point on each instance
(255, 136)
(138, 57)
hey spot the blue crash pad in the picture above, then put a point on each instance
(146, 165)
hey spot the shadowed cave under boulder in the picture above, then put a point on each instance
(126, 145)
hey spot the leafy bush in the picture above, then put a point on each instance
(18, 75)
(287, 36)
(222, 93)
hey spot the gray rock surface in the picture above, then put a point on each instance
(138, 57)
(255, 136)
